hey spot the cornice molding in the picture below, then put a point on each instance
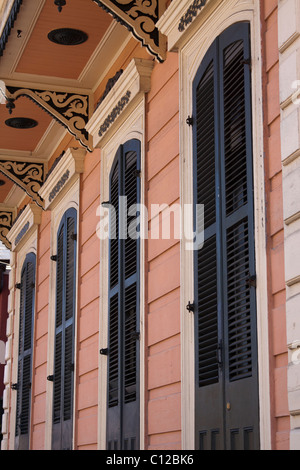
(24, 226)
(67, 167)
(178, 18)
(134, 82)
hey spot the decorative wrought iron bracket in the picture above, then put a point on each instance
(72, 110)
(140, 18)
(6, 221)
(27, 175)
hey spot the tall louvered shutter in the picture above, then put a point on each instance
(27, 297)
(123, 350)
(225, 317)
(62, 428)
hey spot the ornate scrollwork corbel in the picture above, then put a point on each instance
(27, 175)
(69, 109)
(6, 221)
(140, 18)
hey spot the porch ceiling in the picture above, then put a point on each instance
(30, 60)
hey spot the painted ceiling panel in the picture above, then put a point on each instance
(43, 57)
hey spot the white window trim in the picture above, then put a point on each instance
(131, 128)
(192, 46)
(69, 199)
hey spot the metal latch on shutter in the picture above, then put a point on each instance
(220, 353)
(135, 335)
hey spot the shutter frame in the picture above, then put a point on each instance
(213, 424)
(26, 328)
(63, 380)
(122, 414)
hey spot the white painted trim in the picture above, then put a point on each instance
(132, 128)
(133, 83)
(69, 200)
(191, 54)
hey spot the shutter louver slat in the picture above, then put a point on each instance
(26, 392)
(130, 344)
(131, 194)
(113, 380)
(208, 369)
(59, 278)
(234, 128)
(114, 245)
(28, 306)
(70, 269)
(206, 145)
(68, 372)
(57, 379)
(239, 312)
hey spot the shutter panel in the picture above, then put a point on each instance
(225, 319)
(123, 358)
(62, 429)
(25, 353)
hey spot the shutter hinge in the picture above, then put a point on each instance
(190, 120)
(18, 285)
(74, 237)
(105, 204)
(251, 281)
(15, 386)
(104, 352)
(50, 378)
(54, 258)
(246, 62)
(191, 307)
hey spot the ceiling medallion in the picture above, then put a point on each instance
(67, 36)
(60, 4)
(21, 123)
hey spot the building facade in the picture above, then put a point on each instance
(149, 160)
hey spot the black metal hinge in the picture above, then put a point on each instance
(190, 120)
(54, 258)
(50, 378)
(15, 386)
(104, 352)
(246, 62)
(18, 285)
(190, 307)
